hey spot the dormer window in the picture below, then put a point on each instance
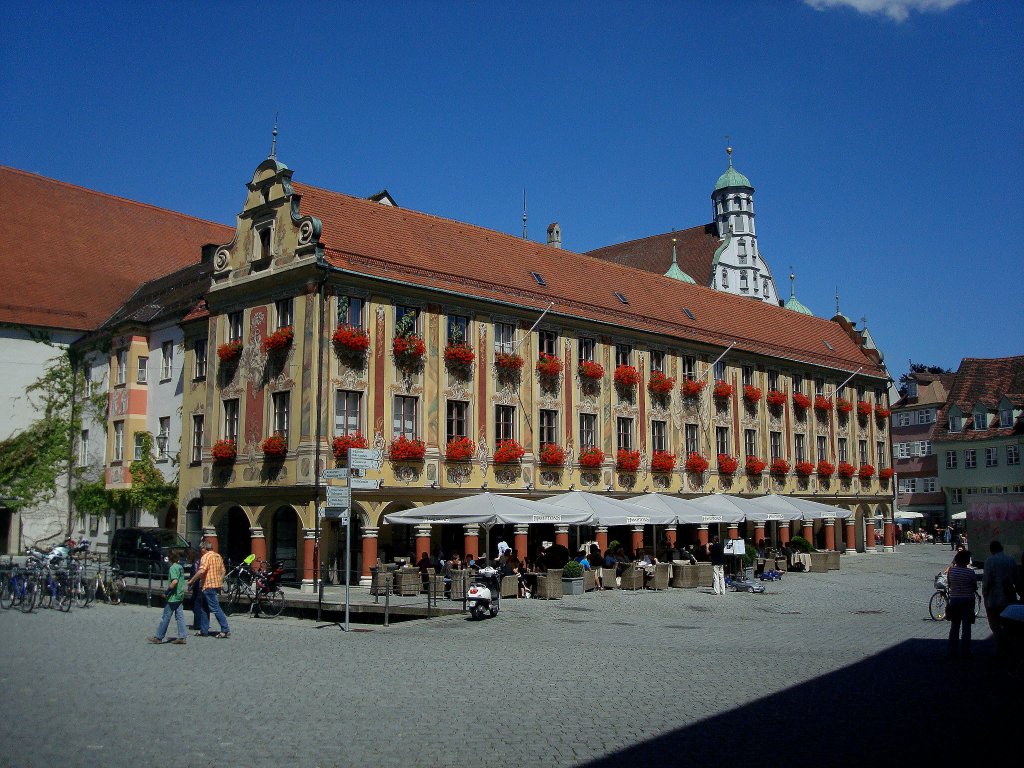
(1006, 417)
(911, 389)
(744, 287)
(265, 243)
(956, 423)
(980, 420)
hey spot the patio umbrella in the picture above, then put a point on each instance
(668, 510)
(608, 511)
(960, 516)
(772, 507)
(812, 510)
(720, 508)
(904, 514)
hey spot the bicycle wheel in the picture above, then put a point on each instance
(45, 595)
(28, 596)
(272, 603)
(63, 596)
(977, 604)
(937, 606)
(229, 600)
(115, 589)
(80, 590)
(90, 590)
(6, 593)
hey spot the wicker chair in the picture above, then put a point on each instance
(608, 578)
(632, 578)
(510, 586)
(408, 582)
(705, 575)
(685, 575)
(549, 585)
(659, 580)
(459, 585)
(590, 580)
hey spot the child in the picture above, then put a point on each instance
(174, 595)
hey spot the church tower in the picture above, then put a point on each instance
(738, 266)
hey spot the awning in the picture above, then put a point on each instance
(608, 511)
(488, 509)
(668, 510)
(773, 507)
(809, 510)
(960, 516)
(719, 508)
(906, 514)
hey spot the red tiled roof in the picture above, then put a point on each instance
(71, 256)
(986, 381)
(420, 249)
(695, 248)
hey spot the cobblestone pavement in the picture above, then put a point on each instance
(832, 669)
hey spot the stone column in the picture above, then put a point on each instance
(602, 537)
(257, 543)
(808, 531)
(422, 540)
(888, 535)
(308, 563)
(784, 531)
(369, 554)
(869, 534)
(830, 534)
(210, 535)
(562, 535)
(522, 540)
(758, 533)
(734, 530)
(638, 538)
(702, 533)
(851, 535)
(470, 540)
(670, 535)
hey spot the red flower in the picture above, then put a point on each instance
(230, 351)
(866, 471)
(775, 398)
(224, 451)
(627, 461)
(822, 403)
(801, 401)
(459, 449)
(751, 394)
(727, 465)
(722, 390)
(825, 469)
(846, 470)
(507, 452)
(885, 474)
(508, 361)
(692, 387)
(843, 405)
(404, 449)
(696, 464)
(663, 461)
(591, 370)
(351, 338)
(660, 384)
(755, 466)
(274, 447)
(552, 455)
(804, 468)
(408, 350)
(279, 340)
(342, 443)
(591, 457)
(779, 467)
(863, 408)
(627, 376)
(882, 412)
(549, 365)
(459, 355)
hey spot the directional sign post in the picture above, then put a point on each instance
(365, 458)
(339, 497)
(341, 473)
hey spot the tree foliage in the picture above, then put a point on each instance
(922, 368)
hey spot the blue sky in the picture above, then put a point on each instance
(885, 138)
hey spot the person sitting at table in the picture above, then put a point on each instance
(453, 563)
(621, 561)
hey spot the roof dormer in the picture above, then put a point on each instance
(980, 413)
(1006, 413)
(956, 419)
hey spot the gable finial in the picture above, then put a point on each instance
(728, 148)
(273, 144)
(524, 213)
(792, 282)
(674, 261)
(837, 301)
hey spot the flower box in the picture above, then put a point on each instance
(846, 470)
(755, 466)
(779, 467)
(626, 376)
(591, 370)
(885, 474)
(404, 449)
(826, 469)
(660, 384)
(279, 340)
(843, 405)
(751, 394)
(727, 465)
(722, 390)
(508, 361)
(230, 351)
(591, 457)
(348, 337)
(801, 401)
(549, 366)
(552, 455)
(693, 388)
(408, 350)
(459, 355)
(866, 471)
(696, 464)
(882, 412)
(274, 447)
(342, 443)
(775, 398)
(508, 452)
(804, 468)
(822, 403)
(459, 449)
(224, 451)
(663, 461)
(863, 408)
(627, 461)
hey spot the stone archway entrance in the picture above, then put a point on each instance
(233, 540)
(334, 548)
(283, 542)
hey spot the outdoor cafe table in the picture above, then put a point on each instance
(802, 557)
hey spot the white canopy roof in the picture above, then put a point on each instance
(489, 509)
(720, 508)
(609, 511)
(667, 510)
(906, 514)
(772, 507)
(815, 510)
(959, 515)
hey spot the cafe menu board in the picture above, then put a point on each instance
(736, 547)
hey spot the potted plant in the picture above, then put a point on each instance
(843, 406)
(722, 390)
(822, 403)
(572, 578)
(224, 451)
(274, 447)
(508, 452)
(775, 399)
(508, 362)
(804, 468)
(801, 401)
(351, 338)
(552, 455)
(549, 366)
(408, 350)
(342, 443)
(846, 470)
(591, 457)
(626, 376)
(663, 461)
(591, 370)
(459, 449)
(779, 466)
(230, 351)
(866, 471)
(886, 473)
(278, 341)
(696, 464)
(799, 542)
(755, 466)
(660, 384)
(752, 395)
(863, 409)
(627, 461)
(459, 355)
(727, 465)
(404, 449)
(692, 388)
(826, 469)
(882, 412)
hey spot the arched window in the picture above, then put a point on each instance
(725, 278)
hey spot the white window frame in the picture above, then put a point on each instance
(1006, 418)
(142, 370)
(659, 435)
(405, 417)
(547, 426)
(198, 425)
(951, 460)
(165, 433)
(199, 359)
(231, 406)
(166, 360)
(980, 421)
(138, 445)
(970, 459)
(457, 419)
(690, 436)
(83, 448)
(505, 423)
(1012, 455)
(121, 366)
(504, 338)
(722, 441)
(118, 451)
(991, 457)
(284, 313)
(585, 348)
(588, 430)
(624, 433)
(281, 402)
(343, 421)
(956, 423)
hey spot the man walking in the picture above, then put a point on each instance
(211, 574)
(998, 590)
(718, 566)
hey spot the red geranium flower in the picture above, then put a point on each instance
(693, 387)
(696, 464)
(351, 338)
(408, 350)
(846, 470)
(822, 403)
(826, 469)
(663, 461)
(775, 398)
(459, 449)
(279, 340)
(508, 361)
(627, 461)
(727, 465)
(591, 457)
(507, 452)
(591, 370)
(863, 408)
(404, 449)
(274, 447)
(751, 394)
(552, 455)
(801, 401)
(627, 376)
(549, 365)
(779, 467)
(342, 443)
(755, 466)
(229, 351)
(843, 405)
(804, 468)
(660, 384)
(885, 474)
(866, 471)
(224, 451)
(459, 354)
(882, 412)
(722, 389)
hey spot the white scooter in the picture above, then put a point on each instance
(484, 594)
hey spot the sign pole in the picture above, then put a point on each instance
(348, 569)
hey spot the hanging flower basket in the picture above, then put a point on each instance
(552, 455)
(459, 449)
(801, 401)
(404, 449)
(408, 351)
(549, 366)
(591, 370)
(885, 474)
(230, 351)
(279, 340)
(755, 466)
(822, 403)
(826, 469)
(779, 467)
(866, 471)
(843, 405)
(696, 464)
(274, 447)
(775, 399)
(224, 451)
(660, 384)
(351, 339)
(342, 443)
(627, 376)
(459, 355)
(722, 390)
(508, 361)
(663, 461)
(882, 412)
(751, 394)
(727, 465)
(508, 452)
(846, 470)
(592, 457)
(863, 408)
(692, 388)
(804, 468)
(627, 461)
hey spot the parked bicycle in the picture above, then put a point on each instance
(107, 584)
(17, 590)
(258, 586)
(940, 600)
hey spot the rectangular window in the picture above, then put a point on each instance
(504, 422)
(720, 370)
(282, 408)
(235, 326)
(139, 437)
(350, 311)
(799, 448)
(902, 419)
(928, 416)
(722, 441)
(404, 417)
(83, 448)
(991, 457)
(199, 355)
(348, 407)
(860, 391)
(166, 360)
(956, 495)
(458, 329)
(970, 459)
(122, 366)
(775, 444)
(773, 380)
(143, 369)
(163, 438)
(900, 451)
(624, 433)
(623, 354)
(87, 379)
(844, 456)
(402, 312)
(588, 430)
(1012, 455)
(283, 313)
(744, 285)
(819, 385)
(880, 453)
(118, 441)
(457, 424)
(586, 350)
(956, 423)
(504, 338)
(980, 421)
(748, 375)
(548, 426)
(657, 360)
(547, 343)
(750, 442)
(928, 484)
(659, 439)
(1006, 417)
(197, 439)
(822, 454)
(908, 485)
(862, 452)
(690, 432)
(950, 459)
(925, 448)
(689, 367)
(231, 420)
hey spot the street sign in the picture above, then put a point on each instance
(339, 497)
(337, 513)
(365, 458)
(334, 474)
(363, 484)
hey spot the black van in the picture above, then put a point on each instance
(135, 550)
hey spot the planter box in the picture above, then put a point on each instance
(685, 575)
(572, 586)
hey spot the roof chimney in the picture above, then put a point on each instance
(555, 235)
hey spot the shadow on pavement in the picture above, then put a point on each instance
(906, 702)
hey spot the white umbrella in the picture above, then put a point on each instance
(719, 508)
(668, 510)
(772, 507)
(960, 516)
(908, 515)
(608, 511)
(815, 510)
